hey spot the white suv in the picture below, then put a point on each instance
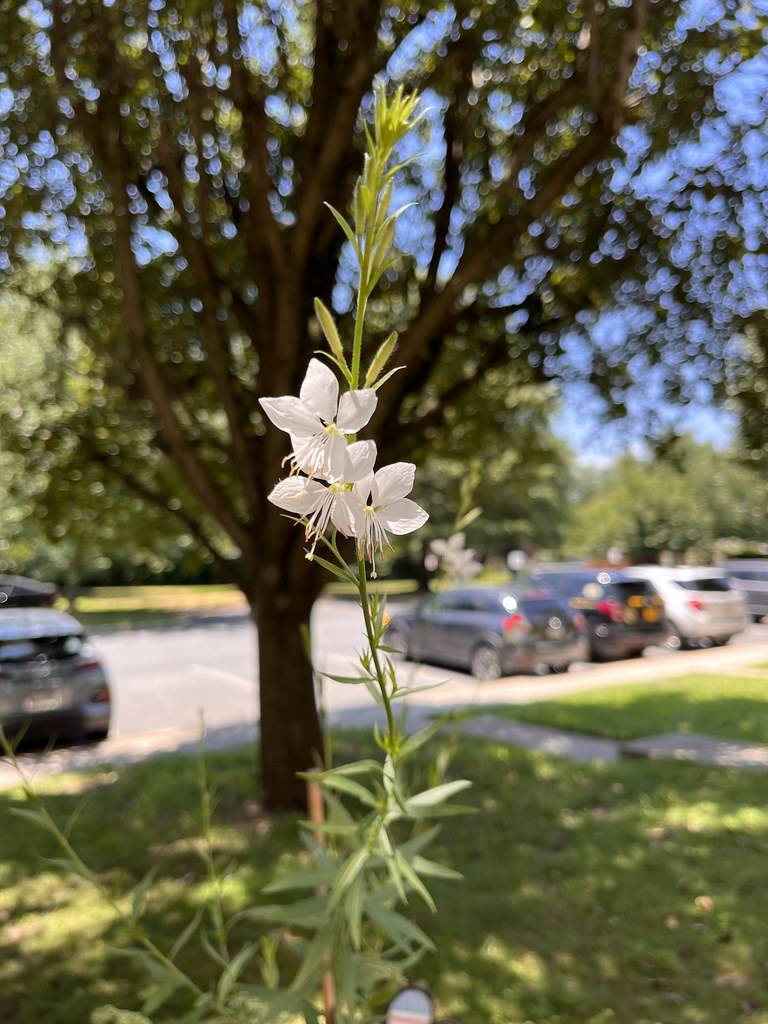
(702, 608)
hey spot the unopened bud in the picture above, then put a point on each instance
(381, 359)
(329, 330)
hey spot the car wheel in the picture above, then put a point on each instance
(675, 640)
(397, 640)
(721, 641)
(486, 663)
(97, 736)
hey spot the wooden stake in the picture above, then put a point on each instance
(316, 807)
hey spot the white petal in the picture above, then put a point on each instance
(347, 510)
(392, 483)
(360, 459)
(309, 454)
(298, 495)
(336, 459)
(403, 516)
(320, 390)
(289, 413)
(363, 488)
(355, 409)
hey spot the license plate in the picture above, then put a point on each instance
(37, 702)
(651, 614)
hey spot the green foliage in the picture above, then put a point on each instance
(62, 517)
(364, 853)
(579, 902)
(684, 499)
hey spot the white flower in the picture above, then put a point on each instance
(320, 504)
(318, 422)
(458, 562)
(383, 507)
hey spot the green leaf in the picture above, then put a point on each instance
(437, 795)
(140, 893)
(158, 995)
(366, 766)
(418, 739)
(28, 814)
(431, 869)
(330, 828)
(414, 881)
(387, 375)
(312, 965)
(397, 928)
(229, 978)
(353, 910)
(351, 868)
(309, 879)
(345, 227)
(186, 935)
(336, 570)
(346, 680)
(309, 913)
(352, 788)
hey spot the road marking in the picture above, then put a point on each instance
(226, 677)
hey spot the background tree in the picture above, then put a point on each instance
(170, 160)
(682, 499)
(63, 517)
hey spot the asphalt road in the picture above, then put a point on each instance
(162, 678)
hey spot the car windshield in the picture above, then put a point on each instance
(711, 583)
(629, 588)
(761, 576)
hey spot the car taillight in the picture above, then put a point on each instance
(512, 622)
(101, 696)
(695, 604)
(611, 609)
(88, 663)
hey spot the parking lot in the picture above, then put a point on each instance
(162, 678)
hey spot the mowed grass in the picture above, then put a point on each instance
(731, 706)
(617, 894)
(123, 607)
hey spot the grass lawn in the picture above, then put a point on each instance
(618, 894)
(125, 606)
(733, 707)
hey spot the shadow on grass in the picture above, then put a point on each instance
(623, 893)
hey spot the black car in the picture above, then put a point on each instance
(492, 632)
(624, 615)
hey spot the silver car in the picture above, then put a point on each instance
(750, 577)
(52, 684)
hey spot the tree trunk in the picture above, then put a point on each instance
(290, 727)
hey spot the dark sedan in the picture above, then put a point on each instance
(51, 682)
(624, 614)
(491, 632)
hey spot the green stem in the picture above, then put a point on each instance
(357, 341)
(215, 905)
(362, 583)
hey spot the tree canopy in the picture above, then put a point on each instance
(683, 499)
(166, 162)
